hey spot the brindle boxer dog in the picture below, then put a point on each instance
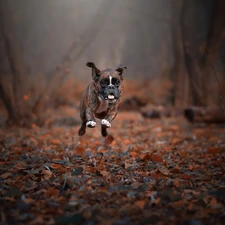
(101, 99)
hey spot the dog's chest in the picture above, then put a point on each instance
(103, 107)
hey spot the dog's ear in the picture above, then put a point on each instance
(95, 71)
(120, 69)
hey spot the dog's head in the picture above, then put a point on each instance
(107, 82)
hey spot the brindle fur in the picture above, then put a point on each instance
(91, 102)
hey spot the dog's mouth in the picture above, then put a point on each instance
(110, 97)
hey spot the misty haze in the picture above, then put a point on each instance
(161, 100)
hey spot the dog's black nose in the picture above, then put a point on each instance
(111, 87)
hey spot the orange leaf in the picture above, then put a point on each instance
(80, 150)
(140, 204)
(156, 158)
(109, 139)
(126, 141)
(55, 166)
(167, 148)
(184, 176)
(55, 142)
(47, 174)
(213, 150)
(156, 175)
(178, 204)
(52, 192)
(144, 156)
(175, 141)
(133, 154)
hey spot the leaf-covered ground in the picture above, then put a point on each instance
(163, 171)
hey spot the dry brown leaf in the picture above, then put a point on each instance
(55, 142)
(179, 204)
(6, 175)
(133, 154)
(51, 191)
(156, 158)
(164, 171)
(140, 204)
(47, 174)
(213, 150)
(176, 141)
(136, 185)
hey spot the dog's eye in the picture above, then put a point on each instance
(115, 81)
(104, 82)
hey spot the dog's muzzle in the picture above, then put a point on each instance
(110, 93)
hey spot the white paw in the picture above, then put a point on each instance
(106, 123)
(91, 124)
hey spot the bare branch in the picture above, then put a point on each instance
(72, 56)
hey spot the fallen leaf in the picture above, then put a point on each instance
(213, 150)
(6, 175)
(156, 158)
(164, 171)
(133, 154)
(140, 204)
(178, 204)
(176, 141)
(55, 142)
(144, 156)
(184, 176)
(77, 171)
(51, 191)
(47, 174)
(136, 185)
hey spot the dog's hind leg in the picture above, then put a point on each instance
(82, 129)
(104, 132)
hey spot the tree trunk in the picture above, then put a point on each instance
(17, 108)
(216, 34)
(178, 72)
(191, 52)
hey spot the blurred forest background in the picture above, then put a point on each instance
(172, 49)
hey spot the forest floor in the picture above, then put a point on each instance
(155, 171)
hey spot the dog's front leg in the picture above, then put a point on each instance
(106, 122)
(90, 111)
(90, 119)
(87, 121)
